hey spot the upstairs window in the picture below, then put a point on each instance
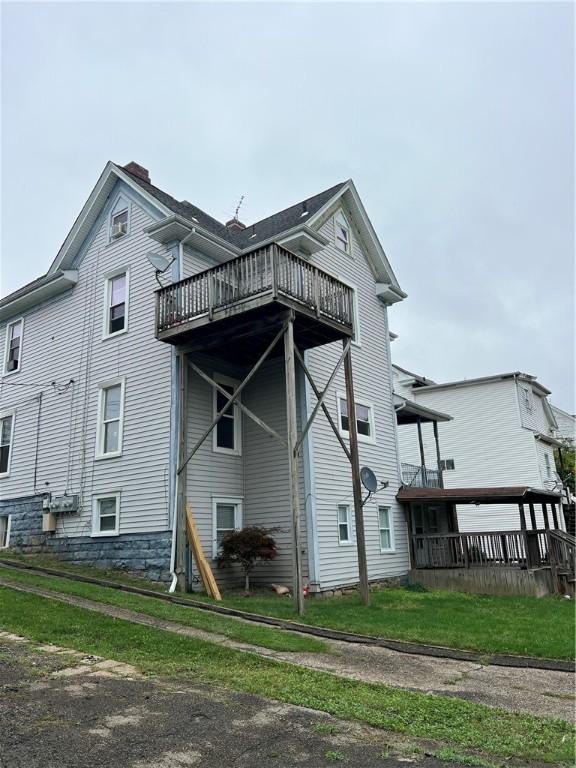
(110, 419)
(344, 527)
(13, 346)
(364, 419)
(119, 219)
(547, 465)
(527, 396)
(6, 429)
(227, 433)
(342, 233)
(116, 304)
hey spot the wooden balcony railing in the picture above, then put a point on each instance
(272, 271)
(420, 477)
(493, 549)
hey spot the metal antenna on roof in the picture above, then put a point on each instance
(237, 211)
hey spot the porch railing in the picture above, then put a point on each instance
(492, 549)
(269, 270)
(420, 477)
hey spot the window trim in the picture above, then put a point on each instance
(108, 277)
(390, 529)
(114, 212)
(345, 224)
(237, 450)
(102, 387)
(238, 502)
(366, 404)
(8, 526)
(350, 540)
(5, 371)
(96, 532)
(3, 415)
(528, 396)
(547, 466)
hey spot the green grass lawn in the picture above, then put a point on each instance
(526, 626)
(265, 637)
(450, 720)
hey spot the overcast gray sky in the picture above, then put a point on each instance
(456, 122)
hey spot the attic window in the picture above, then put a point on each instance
(119, 224)
(342, 233)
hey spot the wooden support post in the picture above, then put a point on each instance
(532, 516)
(524, 536)
(438, 459)
(290, 371)
(545, 515)
(554, 515)
(356, 488)
(421, 446)
(181, 558)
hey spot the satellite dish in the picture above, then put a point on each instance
(369, 480)
(158, 261)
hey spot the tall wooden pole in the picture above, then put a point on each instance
(181, 559)
(356, 487)
(289, 364)
(438, 459)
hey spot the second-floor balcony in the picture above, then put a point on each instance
(416, 476)
(244, 296)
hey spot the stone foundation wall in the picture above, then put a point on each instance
(143, 554)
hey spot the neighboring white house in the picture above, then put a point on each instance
(502, 434)
(566, 425)
(89, 394)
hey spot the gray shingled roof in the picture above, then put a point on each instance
(263, 230)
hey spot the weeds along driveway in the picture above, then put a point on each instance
(544, 693)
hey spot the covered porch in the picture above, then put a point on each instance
(428, 473)
(438, 547)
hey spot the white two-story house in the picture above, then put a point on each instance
(151, 316)
(502, 433)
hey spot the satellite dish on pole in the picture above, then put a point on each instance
(158, 261)
(368, 479)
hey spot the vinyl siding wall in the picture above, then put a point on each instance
(63, 341)
(486, 441)
(372, 382)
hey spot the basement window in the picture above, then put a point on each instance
(4, 531)
(105, 515)
(364, 419)
(226, 517)
(447, 464)
(13, 346)
(6, 430)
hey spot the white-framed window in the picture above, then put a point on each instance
(227, 434)
(344, 524)
(106, 514)
(447, 464)
(364, 419)
(116, 295)
(226, 517)
(527, 396)
(13, 352)
(110, 428)
(547, 465)
(4, 531)
(342, 233)
(385, 529)
(6, 439)
(119, 219)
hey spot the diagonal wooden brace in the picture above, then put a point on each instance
(241, 405)
(232, 398)
(321, 404)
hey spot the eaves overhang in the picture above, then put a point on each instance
(176, 228)
(389, 294)
(44, 288)
(548, 439)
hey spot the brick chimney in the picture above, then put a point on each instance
(138, 170)
(235, 226)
